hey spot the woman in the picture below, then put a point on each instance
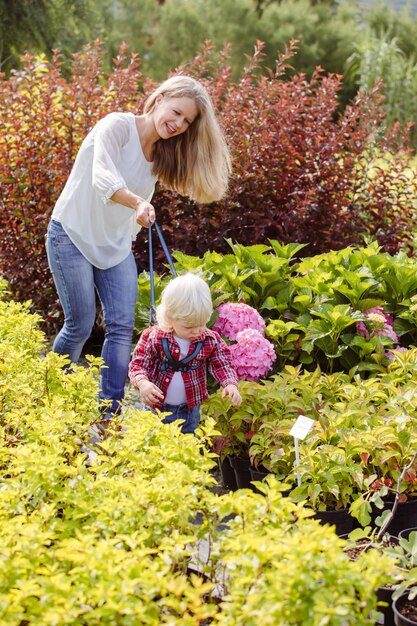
(106, 200)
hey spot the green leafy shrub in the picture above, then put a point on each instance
(343, 310)
(304, 573)
(363, 436)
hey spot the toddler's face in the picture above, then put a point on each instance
(184, 330)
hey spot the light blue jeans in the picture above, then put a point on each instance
(76, 282)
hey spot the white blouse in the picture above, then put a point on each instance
(110, 158)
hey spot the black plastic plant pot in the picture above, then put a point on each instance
(384, 594)
(242, 472)
(259, 474)
(405, 533)
(228, 474)
(405, 516)
(340, 518)
(405, 611)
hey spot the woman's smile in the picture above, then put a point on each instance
(173, 116)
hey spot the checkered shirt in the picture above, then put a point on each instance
(215, 354)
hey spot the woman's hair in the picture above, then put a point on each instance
(197, 162)
(186, 298)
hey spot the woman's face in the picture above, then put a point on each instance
(173, 116)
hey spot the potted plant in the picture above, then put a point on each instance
(404, 597)
(361, 541)
(403, 549)
(388, 449)
(405, 610)
(233, 432)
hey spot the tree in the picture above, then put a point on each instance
(41, 25)
(325, 35)
(262, 4)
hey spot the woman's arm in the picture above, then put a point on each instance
(145, 212)
(111, 134)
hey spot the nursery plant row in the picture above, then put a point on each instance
(116, 540)
(115, 537)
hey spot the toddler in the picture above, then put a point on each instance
(170, 360)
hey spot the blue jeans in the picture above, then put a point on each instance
(181, 412)
(76, 282)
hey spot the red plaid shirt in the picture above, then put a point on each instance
(149, 355)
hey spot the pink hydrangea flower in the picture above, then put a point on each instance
(378, 323)
(252, 354)
(235, 317)
(391, 355)
(380, 311)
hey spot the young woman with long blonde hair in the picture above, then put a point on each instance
(177, 140)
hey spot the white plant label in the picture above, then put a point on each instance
(302, 427)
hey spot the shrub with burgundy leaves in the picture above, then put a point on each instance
(45, 117)
(302, 173)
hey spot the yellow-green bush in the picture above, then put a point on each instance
(108, 542)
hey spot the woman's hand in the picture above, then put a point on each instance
(150, 393)
(145, 213)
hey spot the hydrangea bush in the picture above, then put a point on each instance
(237, 316)
(253, 355)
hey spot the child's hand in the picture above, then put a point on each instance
(150, 393)
(233, 393)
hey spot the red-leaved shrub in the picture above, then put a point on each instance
(301, 170)
(45, 117)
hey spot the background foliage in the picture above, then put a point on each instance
(328, 31)
(45, 117)
(379, 57)
(301, 173)
(41, 26)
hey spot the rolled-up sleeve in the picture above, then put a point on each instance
(220, 364)
(112, 132)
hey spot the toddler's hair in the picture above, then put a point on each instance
(186, 298)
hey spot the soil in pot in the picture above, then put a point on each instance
(357, 547)
(405, 611)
